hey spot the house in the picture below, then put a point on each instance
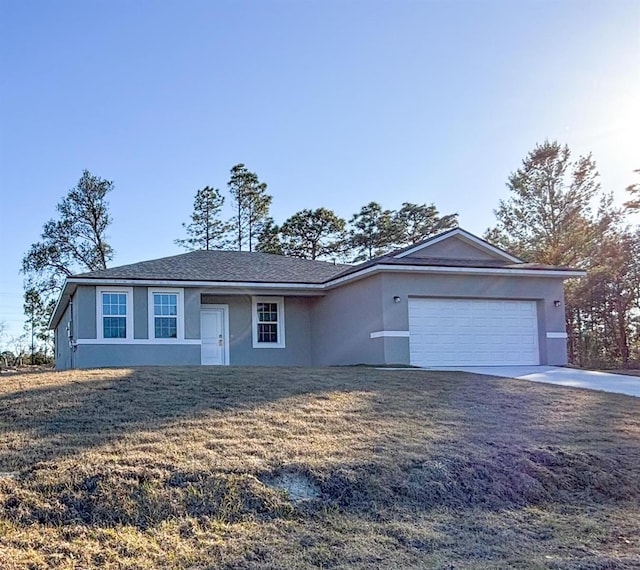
(452, 300)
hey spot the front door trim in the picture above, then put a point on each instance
(225, 326)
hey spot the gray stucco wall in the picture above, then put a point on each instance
(123, 355)
(543, 290)
(192, 313)
(62, 348)
(140, 312)
(454, 248)
(329, 330)
(342, 322)
(85, 312)
(345, 318)
(297, 351)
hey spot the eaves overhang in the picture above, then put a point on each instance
(244, 287)
(442, 270)
(65, 296)
(306, 289)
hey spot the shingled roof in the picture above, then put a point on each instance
(254, 267)
(390, 260)
(224, 266)
(262, 269)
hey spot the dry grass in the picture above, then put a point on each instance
(169, 468)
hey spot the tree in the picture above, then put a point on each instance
(634, 190)
(76, 241)
(417, 222)
(251, 204)
(3, 334)
(206, 230)
(312, 234)
(38, 310)
(6, 357)
(557, 214)
(373, 231)
(549, 216)
(269, 238)
(602, 308)
(18, 349)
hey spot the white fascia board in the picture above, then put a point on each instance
(67, 292)
(309, 288)
(456, 271)
(465, 235)
(204, 284)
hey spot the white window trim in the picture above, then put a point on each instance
(151, 317)
(254, 322)
(128, 291)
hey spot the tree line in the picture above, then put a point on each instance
(307, 234)
(556, 213)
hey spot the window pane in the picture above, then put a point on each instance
(114, 327)
(267, 332)
(165, 304)
(267, 314)
(166, 327)
(114, 305)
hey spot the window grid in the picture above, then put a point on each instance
(267, 322)
(114, 315)
(165, 311)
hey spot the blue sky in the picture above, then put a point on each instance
(332, 103)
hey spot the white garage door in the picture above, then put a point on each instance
(472, 332)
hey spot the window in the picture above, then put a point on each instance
(114, 315)
(165, 314)
(268, 322)
(114, 312)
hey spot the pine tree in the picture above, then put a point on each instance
(313, 234)
(251, 204)
(372, 232)
(74, 242)
(549, 215)
(417, 222)
(206, 230)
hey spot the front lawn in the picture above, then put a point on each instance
(185, 468)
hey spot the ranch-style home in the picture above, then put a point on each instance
(452, 300)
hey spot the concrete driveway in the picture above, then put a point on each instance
(603, 381)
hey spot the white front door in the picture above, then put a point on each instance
(213, 336)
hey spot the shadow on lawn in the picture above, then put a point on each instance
(53, 421)
(444, 440)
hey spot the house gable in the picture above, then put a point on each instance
(457, 244)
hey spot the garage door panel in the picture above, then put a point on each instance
(450, 332)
